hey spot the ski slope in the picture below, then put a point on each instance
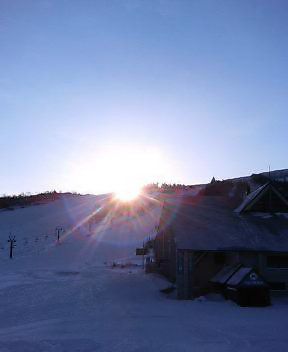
(67, 296)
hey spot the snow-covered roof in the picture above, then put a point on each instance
(209, 223)
(225, 273)
(238, 276)
(246, 277)
(249, 198)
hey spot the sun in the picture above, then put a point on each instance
(127, 194)
(119, 169)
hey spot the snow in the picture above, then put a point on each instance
(68, 297)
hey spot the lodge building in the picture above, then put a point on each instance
(206, 241)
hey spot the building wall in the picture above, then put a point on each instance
(273, 275)
(260, 263)
(205, 269)
(196, 269)
(192, 271)
(184, 274)
(249, 259)
(194, 278)
(165, 254)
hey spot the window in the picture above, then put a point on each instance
(277, 261)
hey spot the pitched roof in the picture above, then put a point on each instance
(209, 223)
(256, 196)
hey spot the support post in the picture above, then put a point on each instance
(58, 230)
(12, 242)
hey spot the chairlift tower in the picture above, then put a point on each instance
(12, 242)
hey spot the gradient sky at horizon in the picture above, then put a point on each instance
(203, 82)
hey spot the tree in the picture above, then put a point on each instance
(213, 180)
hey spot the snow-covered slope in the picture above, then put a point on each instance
(35, 230)
(67, 297)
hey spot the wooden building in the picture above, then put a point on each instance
(199, 236)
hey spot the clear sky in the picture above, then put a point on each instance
(203, 84)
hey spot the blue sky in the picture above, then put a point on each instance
(203, 82)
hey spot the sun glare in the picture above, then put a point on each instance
(123, 170)
(127, 194)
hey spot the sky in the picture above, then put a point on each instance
(95, 91)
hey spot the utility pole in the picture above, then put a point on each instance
(12, 244)
(270, 194)
(58, 230)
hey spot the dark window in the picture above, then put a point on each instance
(219, 258)
(277, 261)
(277, 286)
